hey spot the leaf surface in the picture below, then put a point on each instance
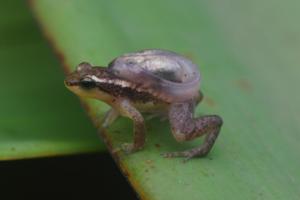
(38, 117)
(249, 58)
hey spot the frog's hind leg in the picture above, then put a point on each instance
(185, 127)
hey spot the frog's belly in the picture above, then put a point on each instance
(151, 107)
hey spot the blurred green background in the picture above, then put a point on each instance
(38, 116)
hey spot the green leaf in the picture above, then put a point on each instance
(249, 58)
(38, 117)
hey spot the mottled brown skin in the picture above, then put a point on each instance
(185, 127)
(131, 100)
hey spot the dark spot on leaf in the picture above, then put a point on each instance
(157, 145)
(244, 85)
(209, 101)
(189, 55)
(149, 162)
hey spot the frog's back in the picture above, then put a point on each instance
(172, 76)
(166, 65)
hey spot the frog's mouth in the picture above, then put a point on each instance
(72, 84)
(69, 82)
(74, 87)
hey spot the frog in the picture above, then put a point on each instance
(151, 81)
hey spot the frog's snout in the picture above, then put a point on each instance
(72, 79)
(70, 82)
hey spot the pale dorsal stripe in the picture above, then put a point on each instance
(126, 84)
(121, 83)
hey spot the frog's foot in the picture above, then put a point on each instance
(188, 154)
(129, 148)
(185, 128)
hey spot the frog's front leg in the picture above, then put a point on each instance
(126, 109)
(185, 127)
(110, 117)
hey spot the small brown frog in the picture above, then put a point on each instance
(150, 81)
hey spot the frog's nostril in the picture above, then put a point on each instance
(71, 82)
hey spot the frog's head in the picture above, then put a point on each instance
(85, 80)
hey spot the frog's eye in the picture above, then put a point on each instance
(87, 83)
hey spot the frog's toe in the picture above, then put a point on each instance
(186, 154)
(128, 148)
(173, 154)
